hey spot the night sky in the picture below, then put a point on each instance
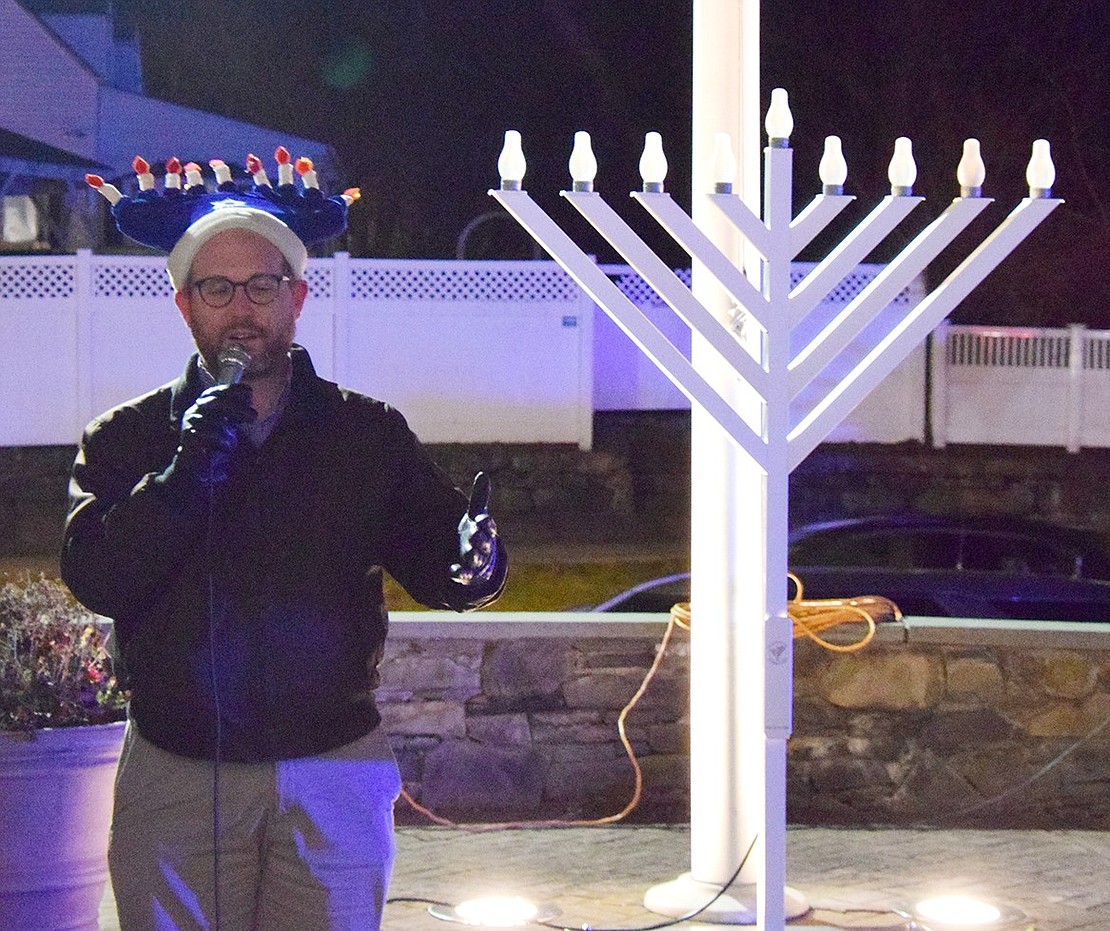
(415, 96)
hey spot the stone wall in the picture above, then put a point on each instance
(937, 722)
(520, 722)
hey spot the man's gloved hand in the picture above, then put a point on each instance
(477, 536)
(209, 436)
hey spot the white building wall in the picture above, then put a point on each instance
(46, 93)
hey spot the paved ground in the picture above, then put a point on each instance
(596, 877)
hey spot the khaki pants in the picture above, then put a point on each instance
(305, 844)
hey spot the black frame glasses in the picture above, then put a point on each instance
(219, 291)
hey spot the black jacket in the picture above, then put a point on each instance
(271, 592)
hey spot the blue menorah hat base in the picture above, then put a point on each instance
(180, 220)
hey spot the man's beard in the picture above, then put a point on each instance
(269, 358)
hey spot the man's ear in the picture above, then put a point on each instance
(298, 287)
(181, 299)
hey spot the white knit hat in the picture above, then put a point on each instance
(234, 217)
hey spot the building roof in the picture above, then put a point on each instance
(60, 119)
(20, 155)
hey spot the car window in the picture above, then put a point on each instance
(891, 547)
(916, 548)
(1012, 553)
(1033, 610)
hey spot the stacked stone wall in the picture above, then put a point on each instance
(992, 726)
(526, 728)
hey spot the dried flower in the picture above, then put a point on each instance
(55, 669)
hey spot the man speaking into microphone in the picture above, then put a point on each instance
(235, 525)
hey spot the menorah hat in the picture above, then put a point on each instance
(181, 219)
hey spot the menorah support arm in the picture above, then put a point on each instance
(668, 359)
(668, 286)
(816, 215)
(808, 363)
(915, 326)
(852, 250)
(750, 226)
(698, 246)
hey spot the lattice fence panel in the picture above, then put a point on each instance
(483, 284)
(120, 280)
(37, 280)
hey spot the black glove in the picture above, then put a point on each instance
(477, 536)
(209, 436)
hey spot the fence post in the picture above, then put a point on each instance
(341, 325)
(83, 294)
(938, 385)
(1076, 344)
(585, 309)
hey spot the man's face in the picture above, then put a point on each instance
(265, 331)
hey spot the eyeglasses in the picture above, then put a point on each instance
(219, 291)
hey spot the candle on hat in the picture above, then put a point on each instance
(110, 191)
(142, 170)
(254, 166)
(305, 170)
(285, 169)
(192, 175)
(351, 195)
(223, 173)
(173, 174)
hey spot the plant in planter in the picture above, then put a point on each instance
(55, 670)
(61, 730)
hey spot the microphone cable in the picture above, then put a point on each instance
(233, 361)
(208, 541)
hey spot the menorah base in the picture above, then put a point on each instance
(681, 896)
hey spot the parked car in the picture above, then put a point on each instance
(982, 567)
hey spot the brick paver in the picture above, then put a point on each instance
(853, 878)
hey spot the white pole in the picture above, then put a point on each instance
(730, 760)
(727, 487)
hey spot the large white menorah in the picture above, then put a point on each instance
(741, 662)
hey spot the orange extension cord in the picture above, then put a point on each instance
(810, 619)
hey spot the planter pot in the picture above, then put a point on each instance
(55, 812)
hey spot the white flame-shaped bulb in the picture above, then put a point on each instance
(510, 163)
(902, 171)
(833, 169)
(583, 164)
(971, 172)
(1041, 173)
(653, 163)
(780, 121)
(724, 163)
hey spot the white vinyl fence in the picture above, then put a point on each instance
(1021, 386)
(470, 352)
(508, 352)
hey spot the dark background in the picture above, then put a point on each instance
(415, 96)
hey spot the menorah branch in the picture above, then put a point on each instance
(888, 284)
(916, 325)
(851, 250)
(668, 286)
(818, 214)
(698, 246)
(667, 358)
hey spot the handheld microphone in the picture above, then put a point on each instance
(231, 363)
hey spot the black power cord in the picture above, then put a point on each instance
(669, 923)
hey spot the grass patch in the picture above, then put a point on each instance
(561, 586)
